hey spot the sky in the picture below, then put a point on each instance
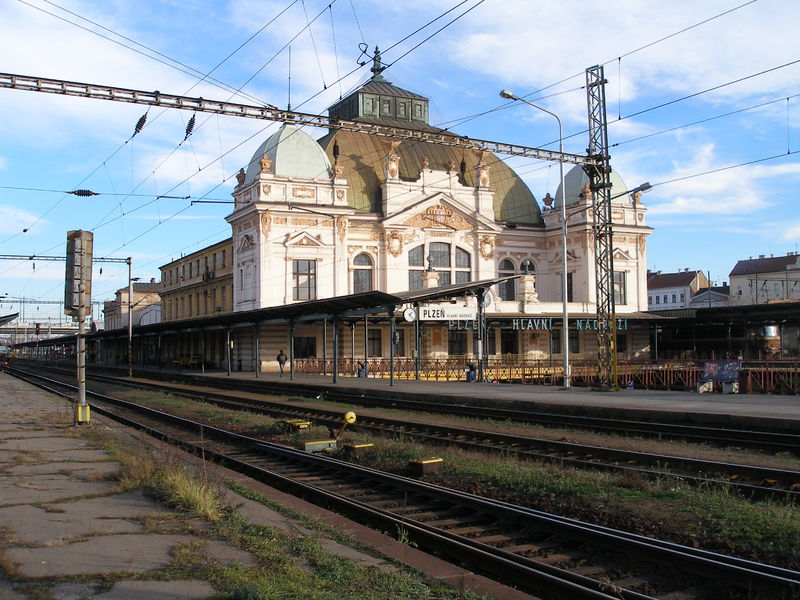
(703, 102)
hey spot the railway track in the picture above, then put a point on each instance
(750, 481)
(547, 555)
(768, 441)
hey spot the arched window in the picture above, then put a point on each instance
(362, 274)
(507, 290)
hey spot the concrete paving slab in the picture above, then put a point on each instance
(7, 591)
(48, 488)
(52, 443)
(223, 554)
(191, 589)
(127, 505)
(83, 470)
(34, 525)
(104, 554)
(26, 433)
(72, 591)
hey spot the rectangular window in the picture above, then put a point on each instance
(462, 277)
(223, 259)
(491, 341)
(555, 342)
(304, 276)
(620, 293)
(305, 347)
(569, 288)
(665, 298)
(674, 298)
(683, 297)
(415, 280)
(509, 341)
(457, 342)
(444, 278)
(362, 280)
(214, 261)
(622, 342)
(223, 303)
(400, 342)
(649, 299)
(658, 299)
(574, 342)
(374, 342)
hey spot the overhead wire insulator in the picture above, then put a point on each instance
(83, 193)
(140, 124)
(189, 128)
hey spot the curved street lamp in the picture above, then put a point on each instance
(507, 94)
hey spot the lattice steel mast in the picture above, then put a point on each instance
(599, 173)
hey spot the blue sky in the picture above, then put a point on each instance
(684, 97)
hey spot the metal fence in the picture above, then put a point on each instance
(755, 377)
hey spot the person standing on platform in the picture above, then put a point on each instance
(281, 358)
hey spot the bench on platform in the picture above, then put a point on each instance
(188, 361)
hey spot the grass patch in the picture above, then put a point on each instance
(708, 516)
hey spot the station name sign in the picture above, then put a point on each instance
(447, 312)
(547, 323)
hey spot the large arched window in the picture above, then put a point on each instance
(507, 290)
(453, 264)
(362, 274)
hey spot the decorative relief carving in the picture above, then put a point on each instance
(304, 222)
(280, 220)
(438, 215)
(266, 189)
(642, 244)
(340, 194)
(487, 247)
(304, 192)
(248, 196)
(341, 226)
(266, 222)
(394, 243)
(266, 163)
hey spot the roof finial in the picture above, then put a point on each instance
(377, 67)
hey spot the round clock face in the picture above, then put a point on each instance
(409, 314)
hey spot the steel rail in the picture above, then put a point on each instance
(692, 470)
(743, 572)
(747, 438)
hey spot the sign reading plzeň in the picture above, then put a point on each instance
(447, 312)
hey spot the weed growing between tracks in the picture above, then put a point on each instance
(285, 567)
(706, 517)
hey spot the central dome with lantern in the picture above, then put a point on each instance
(361, 155)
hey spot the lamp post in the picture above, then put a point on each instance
(507, 94)
(130, 317)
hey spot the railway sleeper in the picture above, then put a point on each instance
(501, 538)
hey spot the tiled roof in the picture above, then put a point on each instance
(768, 264)
(658, 281)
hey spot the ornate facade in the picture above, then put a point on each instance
(354, 212)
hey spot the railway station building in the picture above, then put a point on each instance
(353, 213)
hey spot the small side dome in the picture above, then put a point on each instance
(294, 153)
(576, 178)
